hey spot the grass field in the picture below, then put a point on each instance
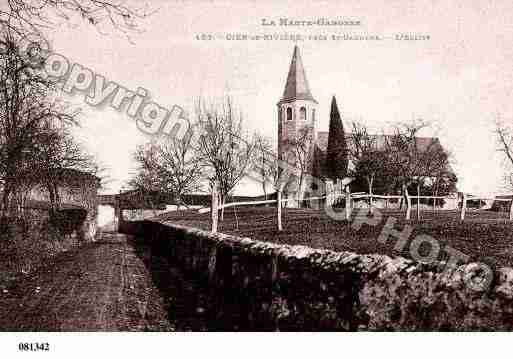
(485, 236)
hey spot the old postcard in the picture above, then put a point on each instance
(254, 166)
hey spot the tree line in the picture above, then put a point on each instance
(36, 142)
(36, 125)
(222, 153)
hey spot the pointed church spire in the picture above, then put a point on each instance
(296, 87)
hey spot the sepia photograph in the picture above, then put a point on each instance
(264, 168)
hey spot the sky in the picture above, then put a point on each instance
(461, 79)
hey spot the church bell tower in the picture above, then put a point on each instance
(297, 116)
(297, 109)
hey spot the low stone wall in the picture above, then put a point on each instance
(258, 285)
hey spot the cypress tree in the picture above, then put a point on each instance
(336, 154)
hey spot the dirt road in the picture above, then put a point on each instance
(101, 286)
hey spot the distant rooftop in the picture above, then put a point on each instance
(423, 143)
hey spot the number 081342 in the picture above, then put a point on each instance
(34, 347)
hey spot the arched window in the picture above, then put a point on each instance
(313, 115)
(302, 114)
(289, 114)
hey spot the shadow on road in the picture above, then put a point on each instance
(186, 298)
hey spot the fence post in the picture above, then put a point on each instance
(418, 202)
(118, 213)
(370, 201)
(278, 203)
(329, 192)
(408, 202)
(463, 206)
(338, 192)
(348, 202)
(213, 210)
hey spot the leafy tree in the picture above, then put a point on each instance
(337, 153)
(318, 163)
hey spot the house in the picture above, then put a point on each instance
(76, 189)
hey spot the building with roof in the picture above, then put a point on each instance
(297, 114)
(75, 190)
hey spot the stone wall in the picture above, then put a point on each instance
(257, 285)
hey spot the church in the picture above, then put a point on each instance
(297, 117)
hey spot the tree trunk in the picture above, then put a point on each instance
(278, 208)
(213, 209)
(435, 193)
(418, 201)
(56, 195)
(222, 207)
(463, 206)
(299, 189)
(408, 202)
(51, 196)
(5, 199)
(370, 180)
(348, 202)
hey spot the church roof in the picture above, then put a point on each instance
(296, 87)
(423, 143)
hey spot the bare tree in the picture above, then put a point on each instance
(416, 160)
(368, 159)
(35, 16)
(223, 147)
(56, 151)
(265, 162)
(27, 106)
(504, 136)
(169, 166)
(404, 155)
(437, 170)
(146, 181)
(301, 153)
(433, 163)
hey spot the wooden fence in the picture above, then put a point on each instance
(335, 195)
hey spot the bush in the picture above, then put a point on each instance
(67, 221)
(26, 243)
